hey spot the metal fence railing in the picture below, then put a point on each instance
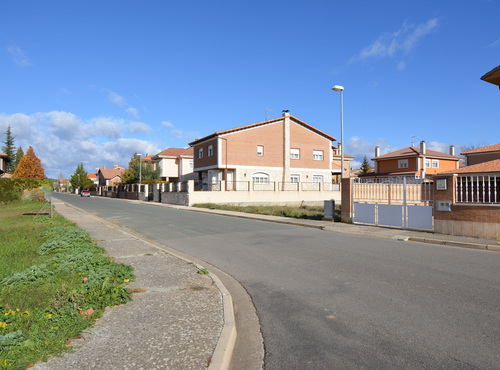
(477, 189)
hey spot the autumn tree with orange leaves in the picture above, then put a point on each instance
(30, 167)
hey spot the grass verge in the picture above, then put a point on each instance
(303, 212)
(54, 283)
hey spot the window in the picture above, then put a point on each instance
(403, 163)
(200, 153)
(190, 165)
(317, 179)
(294, 179)
(435, 163)
(260, 178)
(210, 151)
(317, 155)
(427, 163)
(294, 153)
(260, 149)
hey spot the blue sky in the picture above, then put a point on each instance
(96, 81)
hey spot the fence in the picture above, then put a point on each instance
(393, 191)
(477, 189)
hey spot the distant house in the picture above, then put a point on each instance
(481, 155)
(93, 176)
(281, 150)
(413, 162)
(4, 158)
(337, 163)
(109, 176)
(176, 164)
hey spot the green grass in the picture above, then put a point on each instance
(54, 283)
(303, 212)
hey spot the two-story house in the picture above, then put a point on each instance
(481, 155)
(337, 163)
(109, 176)
(176, 164)
(281, 150)
(413, 162)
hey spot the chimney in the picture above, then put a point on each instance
(377, 151)
(286, 112)
(423, 147)
(452, 149)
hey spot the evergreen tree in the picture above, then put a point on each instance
(19, 155)
(131, 175)
(30, 167)
(8, 149)
(365, 167)
(80, 178)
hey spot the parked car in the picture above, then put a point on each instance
(85, 193)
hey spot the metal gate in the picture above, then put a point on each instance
(405, 203)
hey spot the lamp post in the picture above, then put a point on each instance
(341, 89)
(140, 170)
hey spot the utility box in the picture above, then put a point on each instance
(329, 210)
(443, 206)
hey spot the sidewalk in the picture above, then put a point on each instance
(178, 319)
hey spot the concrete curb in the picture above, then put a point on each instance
(221, 357)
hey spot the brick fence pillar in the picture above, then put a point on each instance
(346, 200)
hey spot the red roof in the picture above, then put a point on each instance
(486, 149)
(3, 155)
(110, 173)
(253, 125)
(415, 152)
(485, 167)
(174, 152)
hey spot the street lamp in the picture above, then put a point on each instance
(140, 170)
(341, 89)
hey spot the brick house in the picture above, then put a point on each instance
(468, 200)
(176, 164)
(109, 176)
(337, 163)
(413, 162)
(283, 150)
(481, 155)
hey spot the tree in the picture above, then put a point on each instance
(30, 167)
(8, 149)
(80, 178)
(365, 167)
(19, 155)
(131, 175)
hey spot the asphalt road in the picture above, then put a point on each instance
(329, 301)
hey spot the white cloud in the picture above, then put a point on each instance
(133, 112)
(109, 127)
(62, 140)
(401, 66)
(19, 56)
(400, 42)
(179, 133)
(135, 127)
(115, 98)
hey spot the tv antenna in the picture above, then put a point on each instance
(412, 141)
(267, 110)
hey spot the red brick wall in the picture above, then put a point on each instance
(242, 146)
(308, 141)
(462, 211)
(206, 160)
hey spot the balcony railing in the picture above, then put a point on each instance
(477, 189)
